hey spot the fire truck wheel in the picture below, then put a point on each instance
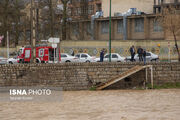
(21, 61)
(37, 61)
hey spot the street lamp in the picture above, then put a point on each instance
(110, 32)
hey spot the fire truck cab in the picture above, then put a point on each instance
(44, 54)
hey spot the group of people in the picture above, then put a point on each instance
(141, 54)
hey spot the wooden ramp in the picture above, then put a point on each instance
(121, 76)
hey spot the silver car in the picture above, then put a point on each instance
(67, 58)
(3, 60)
(84, 57)
(115, 57)
(14, 60)
(149, 57)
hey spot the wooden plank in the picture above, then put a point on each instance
(121, 76)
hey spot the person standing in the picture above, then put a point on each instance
(72, 53)
(102, 55)
(144, 56)
(140, 53)
(132, 51)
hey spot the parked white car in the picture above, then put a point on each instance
(13, 60)
(67, 58)
(149, 57)
(115, 57)
(84, 57)
(3, 60)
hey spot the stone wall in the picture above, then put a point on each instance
(81, 76)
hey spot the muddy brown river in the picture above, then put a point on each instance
(100, 105)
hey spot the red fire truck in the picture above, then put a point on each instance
(44, 54)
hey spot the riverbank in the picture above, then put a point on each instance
(81, 76)
(166, 86)
(149, 86)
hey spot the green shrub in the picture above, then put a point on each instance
(93, 88)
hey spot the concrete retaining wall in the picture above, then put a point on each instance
(81, 76)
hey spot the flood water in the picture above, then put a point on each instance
(100, 105)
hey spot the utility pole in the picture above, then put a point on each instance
(37, 22)
(110, 32)
(52, 18)
(33, 36)
(7, 44)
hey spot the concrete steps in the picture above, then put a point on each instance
(125, 74)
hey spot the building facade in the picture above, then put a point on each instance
(138, 27)
(122, 6)
(160, 4)
(83, 9)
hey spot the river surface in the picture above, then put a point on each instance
(100, 105)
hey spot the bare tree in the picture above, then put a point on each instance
(18, 23)
(4, 13)
(170, 21)
(64, 18)
(48, 18)
(10, 19)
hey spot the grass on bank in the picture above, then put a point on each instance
(165, 86)
(93, 88)
(148, 86)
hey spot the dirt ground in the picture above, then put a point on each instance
(100, 105)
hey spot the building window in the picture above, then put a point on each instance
(104, 27)
(157, 27)
(139, 25)
(75, 28)
(90, 9)
(98, 7)
(120, 26)
(83, 10)
(88, 28)
(70, 11)
(75, 11)
(79, 10)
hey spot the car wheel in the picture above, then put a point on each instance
(10, 62)
(88, 61)
(68, 61)
(154, 60)
(118, 61)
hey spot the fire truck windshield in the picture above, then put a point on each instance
(20, 51)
